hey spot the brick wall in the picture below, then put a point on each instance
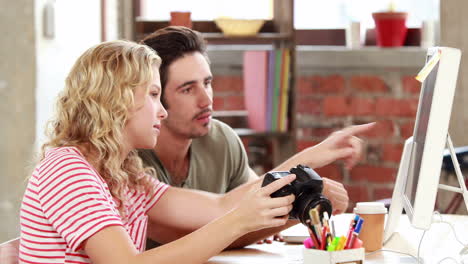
(339, 100)
(228, 93)
(331, 99)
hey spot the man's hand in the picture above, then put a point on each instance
(337, 195)
(340, 145)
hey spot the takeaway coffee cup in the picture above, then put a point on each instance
(372, 230)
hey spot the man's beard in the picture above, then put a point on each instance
(191, 132)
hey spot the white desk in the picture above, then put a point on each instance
(438, 242)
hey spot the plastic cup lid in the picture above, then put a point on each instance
(370, 208)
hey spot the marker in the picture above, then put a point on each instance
(333, 246)
(329, 238)
(356, 232)
(341, 243)
(352, 225)
(308, 243)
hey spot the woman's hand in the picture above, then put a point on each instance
(258, 210)
(269, 240)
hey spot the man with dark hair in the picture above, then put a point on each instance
(198, 152)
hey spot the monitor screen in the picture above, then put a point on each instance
(420, 129)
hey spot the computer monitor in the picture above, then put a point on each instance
(420, 166)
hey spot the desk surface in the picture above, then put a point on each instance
(438, 242)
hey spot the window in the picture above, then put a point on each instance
(207, 9)
(315, 14)
(309, 14)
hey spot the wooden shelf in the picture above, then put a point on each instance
(260, 36)
(247, 132)
(230, 113)
(238, 120)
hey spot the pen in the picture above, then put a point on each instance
(325, 219)
(314, 216)
(324, 238)
(356, 232)
(332, 227)
(351, 230)
(313, 235)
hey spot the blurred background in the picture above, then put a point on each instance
(335, 81)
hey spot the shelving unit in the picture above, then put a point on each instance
(278, 32)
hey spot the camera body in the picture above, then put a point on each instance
(307, 188)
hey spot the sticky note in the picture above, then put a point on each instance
(424, 72)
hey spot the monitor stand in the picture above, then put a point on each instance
(396, 206)
(461, 181)
(458, 173)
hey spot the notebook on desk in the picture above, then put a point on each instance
(295, 234)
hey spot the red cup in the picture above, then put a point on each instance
(390, 28)
(181, 19)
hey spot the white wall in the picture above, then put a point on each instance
(32, 71)
(453, 23)
(77, 27)
(17, 107)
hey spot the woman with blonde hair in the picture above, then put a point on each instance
(89, 200)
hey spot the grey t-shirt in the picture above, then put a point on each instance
(218, 161)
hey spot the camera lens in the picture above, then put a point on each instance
(305, 202)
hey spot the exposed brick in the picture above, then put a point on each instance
(324, 131)
(303, 144)
(303, 132)
(228, 83)
(335, 106)
(392, 152)
(234, 102)
(382, 193)
(365, 83)
(218, 103)
(304, 85)
(362, 106)
(406, 129)
(331, 171)
(316, 131)
(309, 106)
(382, 129)
(357, 193)
(397, 107)
(411, 85)
(321, 84)
(328, 84)
(373, 174)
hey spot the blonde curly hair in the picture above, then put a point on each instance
(94, 107)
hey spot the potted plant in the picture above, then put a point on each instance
(390, 27)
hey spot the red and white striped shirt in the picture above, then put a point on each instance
(66, 202)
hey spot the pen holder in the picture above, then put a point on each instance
(312, 256)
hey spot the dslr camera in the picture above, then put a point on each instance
(307, 188)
